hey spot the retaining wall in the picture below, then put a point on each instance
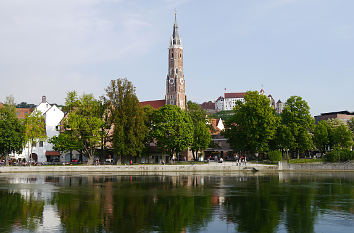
(320, 166)
(224, 167)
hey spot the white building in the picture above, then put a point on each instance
(228, 102)
(43, 149)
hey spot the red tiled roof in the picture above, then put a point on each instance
(154, 103)
(208, 105)
(52, 153)
(235, 95)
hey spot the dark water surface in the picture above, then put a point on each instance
(203, 202)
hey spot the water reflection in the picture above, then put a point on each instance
(240, 202)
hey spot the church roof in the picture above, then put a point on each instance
(154, 103)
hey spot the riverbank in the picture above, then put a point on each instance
(211, 167)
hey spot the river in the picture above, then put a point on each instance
(177, 202)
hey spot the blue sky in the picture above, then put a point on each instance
(288, 47)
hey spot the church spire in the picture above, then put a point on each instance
(176, 40)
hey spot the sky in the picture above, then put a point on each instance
(286, 47)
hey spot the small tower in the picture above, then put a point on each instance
(279, 107)
(175, 84)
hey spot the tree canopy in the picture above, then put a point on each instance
(201, 131)
(12, 132)
(82, 124)
(172, 128)
(296, 116)
(127, 117)
(253, 124)
(35, 130)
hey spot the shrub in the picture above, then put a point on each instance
(340, 155)
(275, 155)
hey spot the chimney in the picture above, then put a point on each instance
(44, 99)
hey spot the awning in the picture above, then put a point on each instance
(52, 153)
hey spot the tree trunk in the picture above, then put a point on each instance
(298, 154)
(119, 161)
(90, 160)
(6, 159)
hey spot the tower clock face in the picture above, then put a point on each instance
(171, 81)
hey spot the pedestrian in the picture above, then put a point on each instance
(237, 159)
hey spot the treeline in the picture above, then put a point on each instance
(117, 124)
(255, 129)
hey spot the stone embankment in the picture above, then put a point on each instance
(211, 167)
(320, 166)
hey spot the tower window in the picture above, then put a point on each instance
(171, 55)
(177, 71)
(180, 55)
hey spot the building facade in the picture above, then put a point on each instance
(344, 116)
(175, 83)
(42, 151)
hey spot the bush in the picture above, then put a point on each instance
(340, 155)
(275, 155)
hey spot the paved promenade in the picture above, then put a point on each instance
(215, 167)
(210, 167)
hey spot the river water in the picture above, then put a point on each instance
(170, 202)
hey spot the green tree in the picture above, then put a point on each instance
(340, 136)
(253, 125)
(12, 131)
(82, 124)
(283, 139)
(296, 116)
(66, 142)
(321, 136)
(127, 116)
(201, 132)
(351, 126)
(35, 130)
(173, 129)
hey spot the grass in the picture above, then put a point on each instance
(306, 160)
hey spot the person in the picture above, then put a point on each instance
(237, 160)
(221, 160)
(131, 162)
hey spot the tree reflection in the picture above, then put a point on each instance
(253, 203)
(17, 211)
(135, 204)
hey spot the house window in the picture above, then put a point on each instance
(34, 144)
(57, 127)
(40, 143)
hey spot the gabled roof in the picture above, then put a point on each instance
(154, 103)
(235, 95)
(220, 98)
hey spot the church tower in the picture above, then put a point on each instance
(175, 85)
